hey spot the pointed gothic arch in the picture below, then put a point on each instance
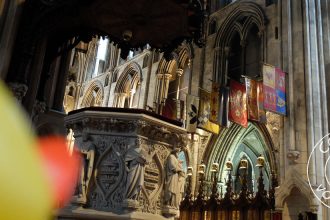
(93, 95)
(235, 142)
(127, 86)
(241, 18)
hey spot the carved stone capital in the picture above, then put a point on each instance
(19, 90)
(179, 72)
(293, 156)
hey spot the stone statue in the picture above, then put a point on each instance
(135, 160)
(88, 154)
(174, 181)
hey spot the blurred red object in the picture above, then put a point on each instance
(61, 167)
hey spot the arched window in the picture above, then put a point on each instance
(127, 88)
(240, 41)
(235, 69)
(101, 56)
(93, 95)
(253, 53)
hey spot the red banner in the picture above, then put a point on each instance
(237, 105)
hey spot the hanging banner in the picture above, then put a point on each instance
(269, 88)
(192, 113)
(274, 89)
(224, 106)
(252, 99)
(237, 104)
(280, 92)
(214, 102)
(204, 113)
(261, 109)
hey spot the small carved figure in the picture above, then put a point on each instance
(88, 153)
(135, 159)
(174, 181)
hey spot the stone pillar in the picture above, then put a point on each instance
(179, 73)
(131, 97)
(195, 141)
(119, 101)
(163, 80)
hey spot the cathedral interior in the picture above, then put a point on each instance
(178, 109)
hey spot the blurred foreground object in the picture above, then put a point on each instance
(61, 168)
(25, 192)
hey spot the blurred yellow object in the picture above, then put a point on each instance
(25, 192)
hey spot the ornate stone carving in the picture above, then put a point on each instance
(273, 126)
(19, 90)
(293, 156)
(130, 156)
(109, 172)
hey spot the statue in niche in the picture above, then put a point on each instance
(88, 155)
(135, 159)
(175, 179)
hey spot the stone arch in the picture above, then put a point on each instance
(296, 180)
(127, 85)
(93, 95)
(249, 10)
(168, 66)
(228, 145)
(184, 57)
(240, 19)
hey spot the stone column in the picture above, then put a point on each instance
(195, 140)
(163, 80)
(120, 100)
(179, 73)
(131, 97)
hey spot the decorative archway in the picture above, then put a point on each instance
(237, 142)
(127, 86)
(243, 17)
(93, 95)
